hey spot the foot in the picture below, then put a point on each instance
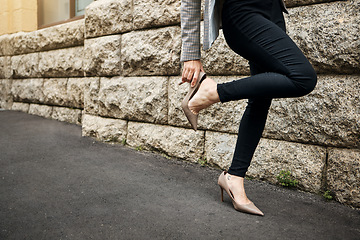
(205, 96)
(236, 184)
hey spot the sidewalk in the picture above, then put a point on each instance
(56, 184)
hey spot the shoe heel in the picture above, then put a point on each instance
(222, 194)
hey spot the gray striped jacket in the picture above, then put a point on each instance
(190, 26)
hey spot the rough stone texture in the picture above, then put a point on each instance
(54, 90)
(219, 148)
(5, 49)
(330, 115)
(105, 17)
(221, 60)
(134, 98)
(40, 110)
(6, 98)
(305, 162)
(152, 13)
(102, 56)
(343, 175)
(91, 96)
(25, 66)
(59, 36)
(67, 62)
(67, 115)
(5, 67)
(151, 52)
(75, 89)
(104, 129)
(331, 42)
(178, 142)
(18, 106)
(28, 90)
(218, 117)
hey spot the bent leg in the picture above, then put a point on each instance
(287, 71)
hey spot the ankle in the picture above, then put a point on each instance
(213, 93)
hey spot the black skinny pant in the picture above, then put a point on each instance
(255, 29)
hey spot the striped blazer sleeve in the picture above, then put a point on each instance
(190, 13)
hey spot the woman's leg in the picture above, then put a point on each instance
(278, 69)
(250, 131)
(255, 37)
(285, 72)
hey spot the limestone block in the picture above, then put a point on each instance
(23, 42)
(331, 42)
(61, 36)
(28, 90)
(134, 98)
(223, 117)
(65, 114)
(75, 89)
(22, 107)
(343, 175)
(6, 98)
(55, 91)
(221, 60)
(330, 115)
(104, 129)
(178, 142)
(219, 148)
(153, 13)
(91, 95)
(5, 67)
(305, 162)
(6, 48)
(102, 56)
(107, 17)
(151, 52)
(25, 66)
(65, 62)
(40, 110)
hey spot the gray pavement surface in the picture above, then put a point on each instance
(56, 184)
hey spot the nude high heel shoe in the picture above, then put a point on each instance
(185, 107)
(246, 208)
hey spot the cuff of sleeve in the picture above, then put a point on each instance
(190, 55)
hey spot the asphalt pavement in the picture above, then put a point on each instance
(56, 184)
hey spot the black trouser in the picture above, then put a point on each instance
(255, 29)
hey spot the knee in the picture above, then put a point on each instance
(308, 82)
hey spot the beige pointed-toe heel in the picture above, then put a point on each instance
(193, 118)
(246, 208)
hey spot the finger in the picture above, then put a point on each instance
(189, 76)
(195, 79)
(184, 75)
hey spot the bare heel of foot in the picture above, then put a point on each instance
(205, 96)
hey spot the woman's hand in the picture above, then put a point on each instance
(191, 71)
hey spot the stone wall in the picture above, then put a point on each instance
(117, 72)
